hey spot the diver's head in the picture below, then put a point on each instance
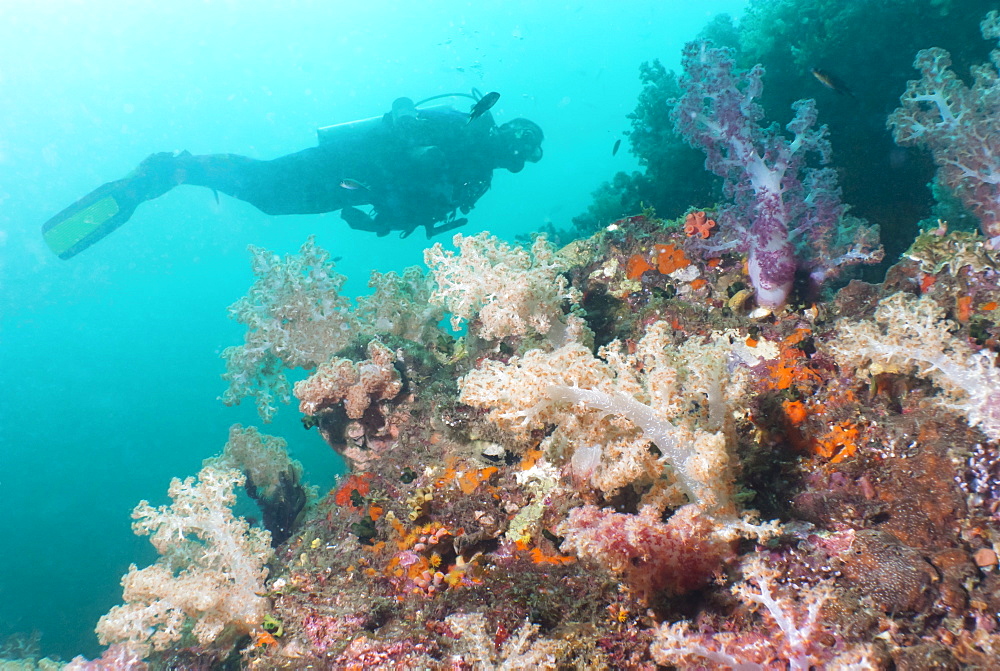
(520, 140)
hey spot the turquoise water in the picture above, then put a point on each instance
(111, 360)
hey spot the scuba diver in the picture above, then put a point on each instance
(414, 166)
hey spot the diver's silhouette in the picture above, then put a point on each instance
(416, 166)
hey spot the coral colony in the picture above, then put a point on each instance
(607, 456)
(768, 183)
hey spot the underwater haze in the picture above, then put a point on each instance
(111, 359)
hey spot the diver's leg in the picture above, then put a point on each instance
(301, 183)
(109, 206)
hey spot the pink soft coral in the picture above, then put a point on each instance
(357, 385)
(767, 176)
(678, 555)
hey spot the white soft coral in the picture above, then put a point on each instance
(210, 572)
(912, 335)
(512, 291)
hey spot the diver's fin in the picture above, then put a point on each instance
(109, 206)
(89, 219)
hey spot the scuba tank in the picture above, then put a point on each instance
(331, 135)
(374, 127)
(363, 130)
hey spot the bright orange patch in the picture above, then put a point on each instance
(530, 458)
(751, 341)
(375, 512)
(698, 223)
(698, 283)
(669, 258)
(839, 443)
(450, 473)
(360, 483)
(540, 557)
(964, 308)
(792, 368)
(636, 266)
(797, 336)
(927, 282)
(471, 479)
(784, 375)
(992, 305)
(399, 529)
(714, 262)
(795, 411)
(262, 638)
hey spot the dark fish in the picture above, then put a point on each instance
(618, 143)
(353, 185)
(483, 105)
(831, 81)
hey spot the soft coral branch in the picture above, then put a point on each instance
(960, 124)
(792, 634)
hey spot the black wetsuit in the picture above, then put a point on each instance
(416, 170)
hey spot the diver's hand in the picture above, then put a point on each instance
(360, 221)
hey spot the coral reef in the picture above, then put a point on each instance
(522, 501)
(917, 339)
(622, 464)
(869, 46)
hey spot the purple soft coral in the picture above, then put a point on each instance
(765, 173)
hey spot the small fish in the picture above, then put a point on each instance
(831, 81)
(618, 143)
(353, 185)
(483, 105)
